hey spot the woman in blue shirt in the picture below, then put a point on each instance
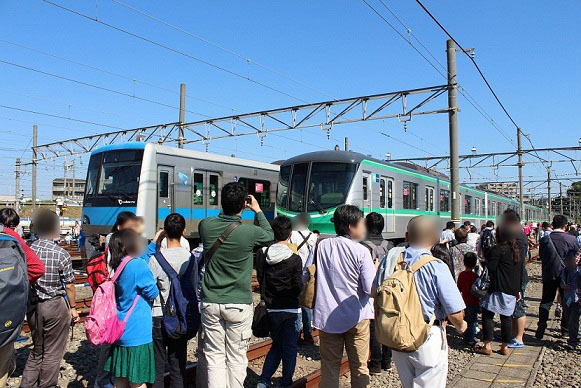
(131, 359)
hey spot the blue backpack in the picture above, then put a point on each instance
(181, 317)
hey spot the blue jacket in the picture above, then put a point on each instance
(136, 278)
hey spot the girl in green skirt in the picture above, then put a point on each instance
(131, 359)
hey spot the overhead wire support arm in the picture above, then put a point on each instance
(258, 123)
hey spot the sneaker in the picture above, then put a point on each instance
(540, 333)
(386, 367)
(374, 371)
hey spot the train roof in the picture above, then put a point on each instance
(189, 153)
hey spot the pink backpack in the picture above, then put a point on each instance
(102, 325)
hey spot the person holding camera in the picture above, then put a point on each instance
(227, 308)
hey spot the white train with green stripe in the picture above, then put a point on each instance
(319, 182)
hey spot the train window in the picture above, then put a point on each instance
(489, 209)
(390, 194)
(298, 185)
(259, 188)
(164, 184)
(282, 189)
(213, 190)
(198, 191)
(467, 204)
(498, 208)
(429, 199)
(444, 200)
(382, 197)
(365, 188)
(477, 206)
(410, 199)
(329, 184)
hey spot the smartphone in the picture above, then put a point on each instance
(248, 200)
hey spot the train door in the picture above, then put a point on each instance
(367, 192)
(165, 193)
(386, 203)
(206, 193)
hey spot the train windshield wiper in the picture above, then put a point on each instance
(318, 206)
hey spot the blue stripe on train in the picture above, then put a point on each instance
(108, 215)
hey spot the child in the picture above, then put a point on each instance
(131, 359)
(571, 283)
(465, 280)
(279, 271)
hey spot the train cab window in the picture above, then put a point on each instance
(282, 189)
(467, 204)
(444, 200)
(365, 188)
(198, 190)
(429, 199)
(410, 195)
(259, 189)
(163, 184)
(213, 190)
(382, 197)
(92, 174)
(329, 184)
(298, 185)
(390, 194)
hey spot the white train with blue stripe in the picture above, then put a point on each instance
(153, 181)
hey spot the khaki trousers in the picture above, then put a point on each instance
(6, 363)
(356, 342)
(226, 333)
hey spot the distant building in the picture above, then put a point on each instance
(509, 190)
(7, 200)
(60, 192)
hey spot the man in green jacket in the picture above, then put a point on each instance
(227, 307)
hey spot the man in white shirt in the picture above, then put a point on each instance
(305, 240)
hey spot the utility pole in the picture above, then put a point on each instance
(17, 191)
(182, 114)
(549, 191)
(73, 167)
(453, 128)
(561, 197)
(346, 143)
(65, 188)
(34, 144)
(520, 165)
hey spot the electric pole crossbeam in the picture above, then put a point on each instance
(350, 110)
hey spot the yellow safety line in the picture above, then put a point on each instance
(514, 365)
(509, 381)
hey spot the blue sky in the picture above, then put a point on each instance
(529, 51)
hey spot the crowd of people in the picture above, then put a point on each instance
(455, 276)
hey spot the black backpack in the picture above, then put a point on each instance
(13, 288)
(487, 241)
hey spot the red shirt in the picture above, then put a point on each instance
(35, 266)
(465, 281)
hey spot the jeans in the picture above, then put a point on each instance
(574, 313)
(307, 318)
(103, 379)
(170, 351)
(471, 318)
(380, 354)
(550, 288)
(284, 331)
(488, 326)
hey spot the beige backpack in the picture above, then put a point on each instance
(399, 320)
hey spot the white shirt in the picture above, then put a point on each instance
(297, 239)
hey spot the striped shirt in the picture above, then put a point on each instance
(59, 269)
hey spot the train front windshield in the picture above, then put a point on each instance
(113, 178)
(314, 187)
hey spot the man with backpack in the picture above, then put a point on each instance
(553, 249)
(439, 298)
(49, 314)
(227, 306)
(172, 261)
(378, 247)
(305, 240)
(487, 240)
(20, 268)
